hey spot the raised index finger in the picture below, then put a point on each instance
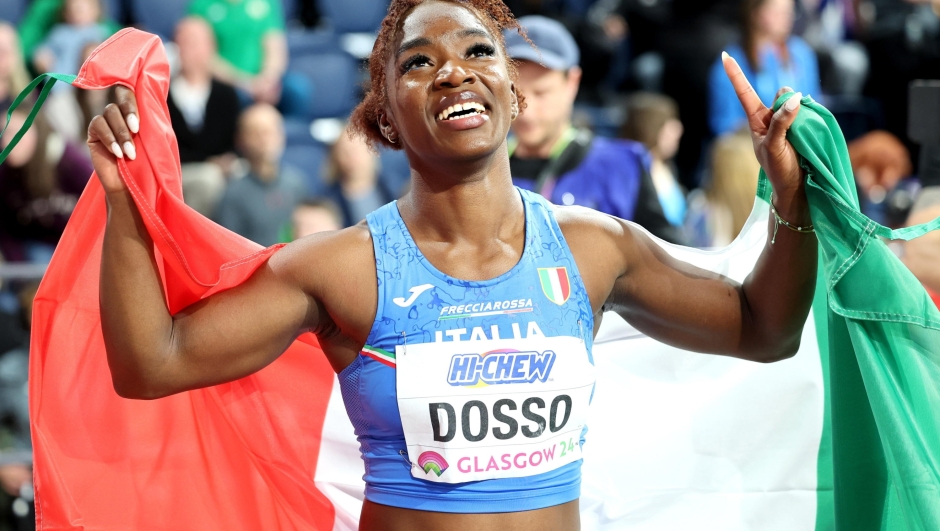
(757, 113)
(127, 102)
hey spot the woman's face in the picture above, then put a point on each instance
(447, 58)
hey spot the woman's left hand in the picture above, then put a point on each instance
(769, 135)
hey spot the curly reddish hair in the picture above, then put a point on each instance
(364, 120)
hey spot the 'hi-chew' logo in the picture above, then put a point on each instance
(432, 462)
(504, 366)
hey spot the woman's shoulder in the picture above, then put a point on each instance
(332, 258)
(585, 228)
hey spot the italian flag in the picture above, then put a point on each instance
(844, 436)
(555, 284)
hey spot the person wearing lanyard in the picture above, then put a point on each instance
(460, 319)
(565, 164)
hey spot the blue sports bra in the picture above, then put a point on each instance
(490, 380)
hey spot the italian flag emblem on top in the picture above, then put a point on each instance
(555, 284)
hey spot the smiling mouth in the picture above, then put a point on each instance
(458, 111)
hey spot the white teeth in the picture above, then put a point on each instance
(445, 115)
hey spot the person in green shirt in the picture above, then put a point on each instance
(253, 51)
(39, 19)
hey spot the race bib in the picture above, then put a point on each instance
(488, 409)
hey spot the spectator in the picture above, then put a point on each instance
(315, 215)
(843, 62)
(770, 56)
(903, 44)
(253, 51)
(603, 46)
(204, 113)
(353, 175)
(568, 165)
(879, 161)
(13, 75)
(259, 204)
(40, 182)
(687, 37)
(653, 120)
(923, 254)
(41, 16)
(717, 213)
(80, 29)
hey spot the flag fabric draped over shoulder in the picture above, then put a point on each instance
(843, 436)
(236, 456)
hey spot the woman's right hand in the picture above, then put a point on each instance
(110, 137)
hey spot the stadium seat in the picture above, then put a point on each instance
(334, 77)
(298, 132)
(12, 10)
(305, 42)
(354, 16)
(161, 16)
(291, 9)
(115, 10)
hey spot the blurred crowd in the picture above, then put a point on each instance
(628, 112)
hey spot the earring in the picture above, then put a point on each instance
(392, 138)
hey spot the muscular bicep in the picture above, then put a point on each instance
(676, 302)
(238, 332)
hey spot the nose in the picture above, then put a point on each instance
(453, 74)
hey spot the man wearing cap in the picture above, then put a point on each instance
(567, 165)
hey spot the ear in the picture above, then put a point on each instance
(387, 128)
(574, 81)
(514, 101)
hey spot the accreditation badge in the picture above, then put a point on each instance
(488, 409)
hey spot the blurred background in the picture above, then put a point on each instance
(628, 112)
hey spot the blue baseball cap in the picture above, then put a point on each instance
(556, 47)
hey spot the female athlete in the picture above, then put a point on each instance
(463, 284)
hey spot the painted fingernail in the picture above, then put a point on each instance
(116, 149)
(794, 101)
(130, 150)
(133, 123)
(724, 55)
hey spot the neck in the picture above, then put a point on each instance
(265, 170)
(459, 201)
(779, 46)
(543, 149)
(197, 79)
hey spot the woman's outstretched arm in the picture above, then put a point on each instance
(682, 305)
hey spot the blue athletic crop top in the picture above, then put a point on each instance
(542, 295)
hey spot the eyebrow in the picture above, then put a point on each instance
(423, 41)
